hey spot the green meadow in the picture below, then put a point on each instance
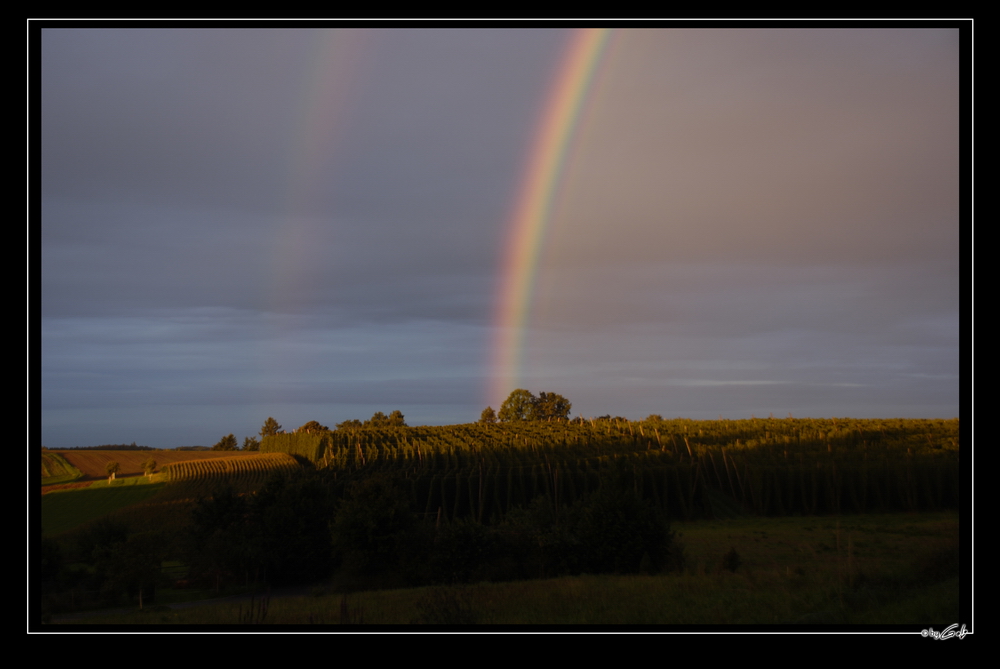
(64, 510)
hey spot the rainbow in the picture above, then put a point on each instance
(333, 65)
(533, 208)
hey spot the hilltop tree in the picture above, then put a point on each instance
(251, 444)
(396, 419)
(488, 417)
(378, 419)
(352, 423)
(517, 406)
(549, 406)
(227, 443)
(270, 428)
(523, 405)
(313, 426)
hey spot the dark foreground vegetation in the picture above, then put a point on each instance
(395, 506)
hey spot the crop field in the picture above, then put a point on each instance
(688, 469)
(68, 507)
(244, 472)
(92, 463)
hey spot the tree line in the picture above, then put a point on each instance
(523, 405)
(271, 427)
(520, 405)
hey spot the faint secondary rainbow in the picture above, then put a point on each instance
(534, 205)
(322, 108)
(333, 62)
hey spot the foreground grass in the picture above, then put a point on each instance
(892, 569)
(680, 599)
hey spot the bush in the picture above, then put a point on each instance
(618, 532)
(731, 561)
(281, 534)
(376, 534)
(462, 552)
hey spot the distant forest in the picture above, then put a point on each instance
(110, 447)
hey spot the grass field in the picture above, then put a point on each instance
(56, 469)
(64, 510)
(874, 569)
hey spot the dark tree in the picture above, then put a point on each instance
(618, 531)
(251, 444)
(374, 529)
(131, 567)
(227, 443)
(112, 469)
(396, 419)
(220, 538)
(488, 417)
(353, 423)
(290, 522)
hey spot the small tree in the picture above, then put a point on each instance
(227, 443)
(270, 428)
(149, 466)
(112, 468)
(313, 426)
(548, 406)
(396, 419)
(517, 406)
(251, 444)
(488, 417)
(378, 419)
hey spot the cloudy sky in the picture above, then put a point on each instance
(314, 225)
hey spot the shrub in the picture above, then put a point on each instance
(376, 533)
(619, 532)
(731, 560)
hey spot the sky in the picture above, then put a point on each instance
(318, 224)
